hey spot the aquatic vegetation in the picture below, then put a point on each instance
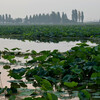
(53, 75)
(41, 32)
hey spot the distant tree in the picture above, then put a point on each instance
(30, 19)
(6, 18)
(53, 17)
(79, 16)
(3, 18)
(82, 16)
(74, 15)
(40, 18)
(64, 18)
(37, 19)
(58, 18)
(9, 19)
(18, 20)
(43, 18)
(26, 19)
(0, 18)
(47, 18)
(33, 19)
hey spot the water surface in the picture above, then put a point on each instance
(38, 46)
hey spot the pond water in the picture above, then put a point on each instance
(31, 45)
(38, 46)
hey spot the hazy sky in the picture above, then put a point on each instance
(20, 8)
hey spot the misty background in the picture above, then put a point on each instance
(21, 8)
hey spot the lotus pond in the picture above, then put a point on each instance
(52, 74)
(62, 63)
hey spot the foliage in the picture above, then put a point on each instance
(54, 74)
(71, 84)
(43, 32)
(84, 95)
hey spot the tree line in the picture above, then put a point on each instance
(52, 18)
(77, 16)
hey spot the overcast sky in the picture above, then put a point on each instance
(20, 8)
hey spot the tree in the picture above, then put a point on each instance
(6, 19)
(0, 18)
(53, 17)
(30, 19)
(36, 19)
(74, 15)
(40, 19)
(47, 18)
(43, 18)
(79, 16)
(64, 18)
(3, 19)
(26, 19)
(18, 20)
(9, 19)
(33, 19)
(73, 18)
(82, 16)
(58, 18)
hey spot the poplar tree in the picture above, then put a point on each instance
(3, 19)
(73, 18)
(58, 18)
(30, 19)
(82, 16)
(0, 18)
(26, 19)
(79, 16)
(75, 15)
(6, 18)
(64, 18)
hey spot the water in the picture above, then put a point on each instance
(38, 46)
